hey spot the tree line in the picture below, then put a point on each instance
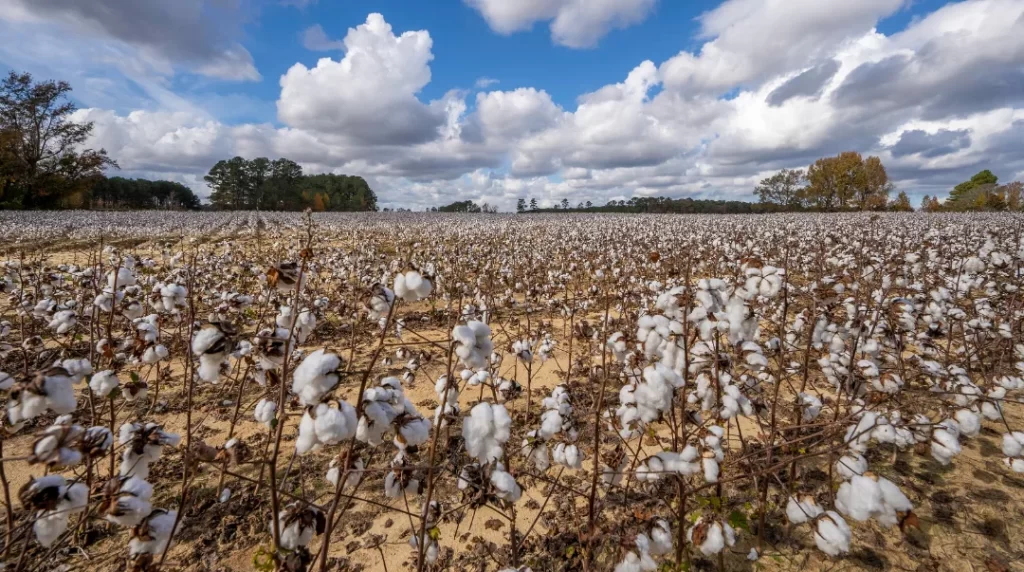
(844, 182)
(44, 164)
(261, 183)
(982, 192)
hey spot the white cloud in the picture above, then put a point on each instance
(947, 107)
(369, 95)
(574, 23)
(753, 40)
(166, 34)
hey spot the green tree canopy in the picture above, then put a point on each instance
(42, 162)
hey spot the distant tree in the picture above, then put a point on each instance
(847, 181)
(460, 207)
(981, 178)
(784, 188)
(901, 203)
(521, 206)
(42, 163)
(1013, 192)
(533, 204)
(565, 204)
(589, 204)
(931, 205)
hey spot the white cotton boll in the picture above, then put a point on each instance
(860, 498)
(225, 496)
(161, 528)
(266, 412)
(810, 407)
(124, 277)
(710, 466)
(154, 354)
(486, 431)
(832, 534)
(412, 432)
(568, 456)
(332, 426)
(315, 376)
(661, 538)
(969, 422)
(60, 395)
(799, 511)
(716, 536)
(49, 526)
(550, 424)
(430, 552)
(134, 465)
(630, 563)
(133, 503)
(507, 487)
(851, 465)
(944, 444)
(351, 480)
(209, 367)
(103, 383)
(6, 381)
(306, 441)
(1016, 465)
(894, 502)
(1013, 443)
(205, 339)
(412, 286)
(63, 321)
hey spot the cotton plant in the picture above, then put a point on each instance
(53, 501)
(301, 325)
(49, 390)
(212, 344)
(142, 445)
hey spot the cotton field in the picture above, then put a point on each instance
(297, 391)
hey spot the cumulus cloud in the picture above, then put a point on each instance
(168, 33)
(937, 101)
(574, 23)
(369, 95)
(753, 40)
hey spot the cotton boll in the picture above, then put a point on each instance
(306, 440)
(711, 537)
(568, 455)
(103, 383)
(799, 511)
(157, 528)
(351, 480)
(1013, 443)
(851, 465)
(710, 466)
(131, 503)
(661, 538)
(486, 431)
(832, 534)
(335, 425)
(412, 286)
(1016, 464)
(969, 422)
(316, 376)
(506, 486)
(860, 498)
(894, 502)
(944, 444)
(266, 412)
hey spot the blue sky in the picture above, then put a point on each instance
(493, 100)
